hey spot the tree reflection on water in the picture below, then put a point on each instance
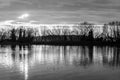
(25, 58)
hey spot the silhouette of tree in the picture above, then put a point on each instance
(13, 35)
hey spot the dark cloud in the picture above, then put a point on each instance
(101, 1)
(92, 5)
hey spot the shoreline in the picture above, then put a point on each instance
(66, 43)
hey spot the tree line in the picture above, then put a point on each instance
(83, 32)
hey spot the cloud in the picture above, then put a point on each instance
(71, 5)
(92, 5)
(58, 11)
(101, 1)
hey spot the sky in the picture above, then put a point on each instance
(61, 11)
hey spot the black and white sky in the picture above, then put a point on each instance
(61, 11)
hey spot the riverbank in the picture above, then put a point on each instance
(64, 43)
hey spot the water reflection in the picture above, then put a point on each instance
(25, 58)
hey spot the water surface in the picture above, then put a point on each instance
(40, 62)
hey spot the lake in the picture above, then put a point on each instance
(42, 62)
